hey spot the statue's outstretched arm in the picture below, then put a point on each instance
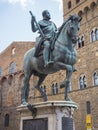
(33, 25)
(33, 22)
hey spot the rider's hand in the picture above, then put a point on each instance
(33, 18)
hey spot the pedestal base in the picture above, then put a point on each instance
(51, 115)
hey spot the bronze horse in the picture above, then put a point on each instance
(64, 56)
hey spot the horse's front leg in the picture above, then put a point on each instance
(41, 79)
(67, 84)
(25, 89)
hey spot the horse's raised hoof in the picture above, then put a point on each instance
(64, 84)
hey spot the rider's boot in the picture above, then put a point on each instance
(46, 55)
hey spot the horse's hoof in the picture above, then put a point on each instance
(64, 84)
(67, 99)
(24, 103)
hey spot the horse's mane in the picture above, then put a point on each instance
(61, 27)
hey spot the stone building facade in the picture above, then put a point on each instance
(85, 80)
(84, 85)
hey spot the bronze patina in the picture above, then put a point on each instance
(62, 56)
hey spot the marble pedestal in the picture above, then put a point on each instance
(51, 115)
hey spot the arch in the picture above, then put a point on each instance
(43, 88)
(12, 68)
(81, 41)
(86, 9)
(80, 13)
(82, 81)
(93, 37)
(96, 33)
(10, 79)
(55, 88)
(69, 4)
(13, 51)
(92, 5)
(3, 80)
(97, 2)
(95, 78)
(77, 1)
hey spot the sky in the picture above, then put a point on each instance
(15, 20)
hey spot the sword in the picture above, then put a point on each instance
(37, 25)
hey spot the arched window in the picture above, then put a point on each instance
(4, 81)
(0, 71)
(69, 4)
(10, 79)
(43, 88)
(6, 124)
(55, 88)
(95, 78)
(13, 51)
(81, 41)
(96, 34)
(93, 37)
(82, 82)
(12, 68)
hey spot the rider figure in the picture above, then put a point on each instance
(49, 29)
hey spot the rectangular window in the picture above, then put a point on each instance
(88, 107)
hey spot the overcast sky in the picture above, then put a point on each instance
(15, 18)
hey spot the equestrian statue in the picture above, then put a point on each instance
(54, 51)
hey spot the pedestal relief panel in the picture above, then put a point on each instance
(35, 124)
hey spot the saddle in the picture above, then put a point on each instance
(40, 47)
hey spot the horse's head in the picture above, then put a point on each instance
(73, 27)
